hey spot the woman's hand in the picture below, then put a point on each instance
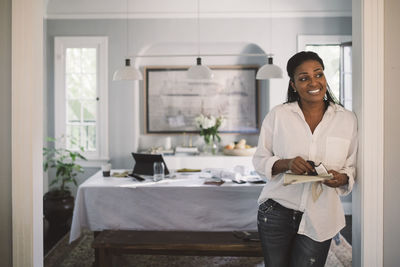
(338, 179)
(298, 165)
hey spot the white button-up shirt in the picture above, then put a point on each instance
(284, 135)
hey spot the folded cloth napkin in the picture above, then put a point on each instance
(120, 174)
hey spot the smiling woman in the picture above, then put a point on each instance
(293, 133)
(309, 82)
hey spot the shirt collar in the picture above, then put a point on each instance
(294, 106)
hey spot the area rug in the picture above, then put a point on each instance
(80, 254)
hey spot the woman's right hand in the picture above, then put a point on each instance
(298, 165)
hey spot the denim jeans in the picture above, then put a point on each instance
(281, 244)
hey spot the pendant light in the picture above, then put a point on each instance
(199, 71)
(128, 72)
(269, 70)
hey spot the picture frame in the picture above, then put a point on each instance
(173, 101)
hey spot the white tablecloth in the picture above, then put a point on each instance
(180, 203)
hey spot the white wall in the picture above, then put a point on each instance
(147, 32)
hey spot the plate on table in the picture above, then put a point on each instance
(240, 151)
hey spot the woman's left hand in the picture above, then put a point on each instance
(338, 179)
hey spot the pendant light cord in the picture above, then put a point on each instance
(270, 29)
(198, 28)
(127, 28)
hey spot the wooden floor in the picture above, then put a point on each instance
(52, 235)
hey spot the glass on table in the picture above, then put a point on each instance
(158, 171)
(106, 168)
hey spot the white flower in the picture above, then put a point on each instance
(199, 120)
(206, 122)
(209, 122)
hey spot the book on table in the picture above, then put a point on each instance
(186, 150)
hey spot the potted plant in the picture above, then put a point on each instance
(58, 203)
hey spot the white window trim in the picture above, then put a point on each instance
(60, 45)
(304, 40)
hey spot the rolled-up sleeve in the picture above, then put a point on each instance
(350, 165)
(264, 158)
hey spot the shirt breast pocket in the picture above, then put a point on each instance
(336, 151)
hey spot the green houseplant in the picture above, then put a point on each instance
(64, 162)
(58, 203)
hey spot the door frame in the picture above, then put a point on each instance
(368, 104)
(27, 186)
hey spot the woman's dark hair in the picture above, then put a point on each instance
(291, 66)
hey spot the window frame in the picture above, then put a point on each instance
(101, 155)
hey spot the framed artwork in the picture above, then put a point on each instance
(173, 101)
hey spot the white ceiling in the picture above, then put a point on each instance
(80, 9)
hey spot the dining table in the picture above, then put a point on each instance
(183, 201)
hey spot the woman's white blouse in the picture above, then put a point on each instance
(284, 135)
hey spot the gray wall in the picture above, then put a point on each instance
(391, 196)
(145, 32)
(5, 134)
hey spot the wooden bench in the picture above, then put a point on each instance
(108, 243)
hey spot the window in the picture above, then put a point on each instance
(335, 51)
(81, 103)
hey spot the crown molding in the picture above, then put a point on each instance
(191, 15)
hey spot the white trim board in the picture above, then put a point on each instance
(27, 132)
(368, 86)
(372, 133)
(176, 9)
(191, 15)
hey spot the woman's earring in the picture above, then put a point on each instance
(294, 91)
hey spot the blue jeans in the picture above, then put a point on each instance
(282, 245)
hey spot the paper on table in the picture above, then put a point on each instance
(150, 183)
(290, 178)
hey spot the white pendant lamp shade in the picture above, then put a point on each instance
(127, 73)
(199, 71)
(269, 71)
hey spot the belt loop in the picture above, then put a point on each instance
(272, 202)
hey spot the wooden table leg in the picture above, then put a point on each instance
(105, 257)
(96, 251)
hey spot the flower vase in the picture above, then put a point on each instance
(210, 147)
